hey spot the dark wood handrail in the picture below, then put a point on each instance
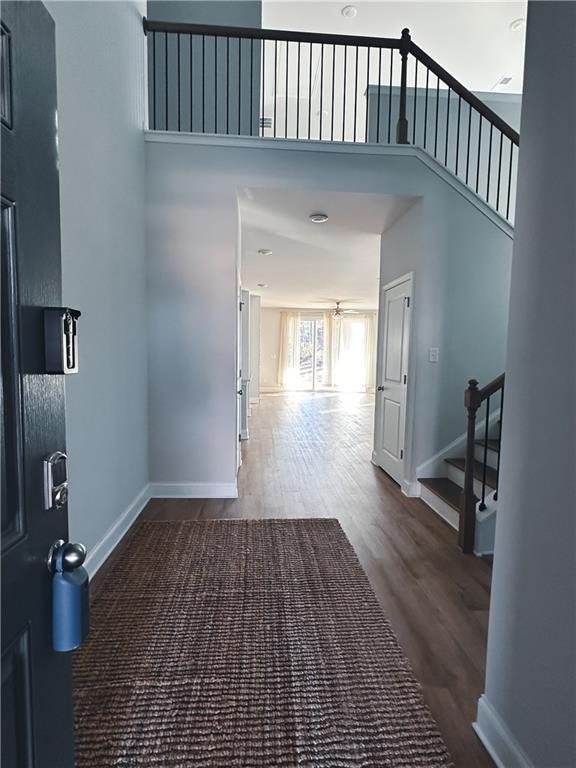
(492, 387)
(467, 95)
(473, 399)
(250, 33)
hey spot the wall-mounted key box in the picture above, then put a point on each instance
(61, 339)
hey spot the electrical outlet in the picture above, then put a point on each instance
(433, 354)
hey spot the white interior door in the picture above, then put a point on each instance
(392, 378)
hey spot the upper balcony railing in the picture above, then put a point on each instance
(298, 85)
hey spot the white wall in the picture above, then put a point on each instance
(192, 230)
(101, 104)
(255, 310)
(528, 712)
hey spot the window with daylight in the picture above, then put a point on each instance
(321, 352)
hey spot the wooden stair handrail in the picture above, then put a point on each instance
(473, 399)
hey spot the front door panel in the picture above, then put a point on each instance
(37, 724)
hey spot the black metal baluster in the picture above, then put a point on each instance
(499, 443)
(321, 88)
(367, 94)
(390, 95)
(154, 80)
(239, 84)
(178, 82)
(166, 77)
(332, 107)
(286, 99)
(227, 85)
(426, 109)
(379, 89)
(310, 95)
(509, 180)
(275, 81)
(344, 94)
(499, 172)
(479, 150)
(215, 84)
(482, 506)
(447, 126)
(191, 81)
(262, 127)
(436, 121)
(415, 98)
(489, 165)
(356, 93)
(458, 132)
(203, 83)
(251, 116)
(298, 96)
(468, 144)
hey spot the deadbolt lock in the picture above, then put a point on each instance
(55, 481)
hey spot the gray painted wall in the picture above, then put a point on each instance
(101, 107)
(192, 246)
(461, 264)
(531, 662)
(438, 135)
(213, 83)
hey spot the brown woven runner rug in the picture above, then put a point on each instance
(246, 643)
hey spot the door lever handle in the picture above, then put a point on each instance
(240, 391)
(380, 388)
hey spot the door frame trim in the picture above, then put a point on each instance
(407, 462)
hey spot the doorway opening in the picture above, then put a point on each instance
(310, 261)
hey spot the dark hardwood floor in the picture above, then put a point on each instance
(309, 456)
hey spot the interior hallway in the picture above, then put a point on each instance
(309, 456)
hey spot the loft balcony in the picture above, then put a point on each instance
(276, 84)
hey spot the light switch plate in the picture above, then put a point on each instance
(433, 354)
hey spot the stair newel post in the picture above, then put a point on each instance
(402, 125)
(466, 531)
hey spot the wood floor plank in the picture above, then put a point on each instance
(309, 456)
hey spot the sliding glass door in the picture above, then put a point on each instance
(311, 354)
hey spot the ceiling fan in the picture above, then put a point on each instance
(340, 311)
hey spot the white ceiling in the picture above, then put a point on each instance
(472, 40)
(315, 265)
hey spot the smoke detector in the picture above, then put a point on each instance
(349, 11)
(318, 218)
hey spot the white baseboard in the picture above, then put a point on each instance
(98, 554)
(193, 491)
(254, 400)
(499, 742)
(411, 489)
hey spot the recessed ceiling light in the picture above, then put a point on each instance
(517, 24)
(349, 11)
(262, 285)
(318, 218)
(265, 251)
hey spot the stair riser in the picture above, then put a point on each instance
(492, 456)
(457, 476)
(440, 507)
